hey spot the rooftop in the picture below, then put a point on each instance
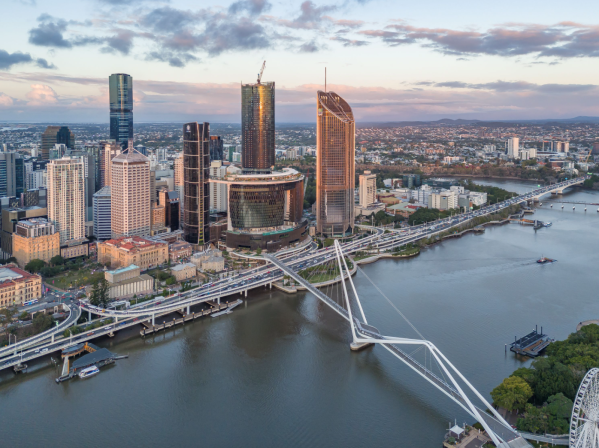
(131, 267)
(133, 243)
(11, 274)
(182, 266)
(131, 157)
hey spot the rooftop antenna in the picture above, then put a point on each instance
(325, 80)
(261, 71)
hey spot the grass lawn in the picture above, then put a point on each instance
(75, 279)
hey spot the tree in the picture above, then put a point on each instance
(171, 280)
(42, 322)
(551, 378)
(512, 393)
(259, 251)
(35, 265)
(57, 260)
(99, 295)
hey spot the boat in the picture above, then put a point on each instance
(89, 371)
(548, 224)
(544, 260)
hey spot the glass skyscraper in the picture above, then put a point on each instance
(196, 186)
(216, 148)
(121, 109)
(53, 135)
(258, 127)
(335, 164)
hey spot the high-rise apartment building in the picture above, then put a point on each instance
(56, 135)
(216, 148)
(335, 164)
(179, 183)
(218, 192)
(196, 175)
(120, 90)
(89, 163)
(367, 189)
(130, 195)
(66, 197)
(258, 127)
(102, 216)
(170, 201)
(108, 151)
(513, 148)
(561, 146)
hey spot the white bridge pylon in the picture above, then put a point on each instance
(497, 428)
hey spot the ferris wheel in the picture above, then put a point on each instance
(584, 424)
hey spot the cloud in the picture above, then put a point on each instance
(515, 86)
(41, 95)
(173, 59)
(168, 19)
(252, 7)
(310, 17)
(223, 34)
(308, 47)
(563, 40)
(349, 42)
(7, 60)
(5, 100)
(49, 34)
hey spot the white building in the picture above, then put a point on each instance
(367, 189)
(489, 148)
(66, 197)
(477, 198)
(218, 192)
(444, 200)
(422, 194)
(513, 148)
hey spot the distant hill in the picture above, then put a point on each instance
(462, 122)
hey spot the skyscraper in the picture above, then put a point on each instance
(335, 164)
(367, 189)
(53, 135)
(196, 174)
(102, 216)
(216, 148)
(89, 162)
(258, 127)
(66, 197)
(108, 151)
(513, 148)
(130, 195)
(121, 109)
(179, 183)
(12, 174)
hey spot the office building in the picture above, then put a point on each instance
(102, 216)
(335, 169)
(170, 201)
(58, 152)
(12, 174)
(89, 164)
(445, 200)
(218, 192)
(367, 189)
(18, 286)
(108, 151)
(120, 90)
(12, 213)
(196, 175)
(130, 195)
(35, 239)
(53, 135)
(258, 127)
(179, 183)
(216, 148)
(411, 181)
(513, 148)
(66, 198)
(561, 147)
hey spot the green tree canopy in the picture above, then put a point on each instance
(99, 295)
(57, 260)
(512, 393)
(35, 265)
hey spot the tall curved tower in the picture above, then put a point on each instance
(120, 89)
(335, 165)
(258, 127)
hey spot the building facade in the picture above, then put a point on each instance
(135, 250)
(367, 189)
(218, 192)
(216, 148)
(18, 286)
(108, 151)
(196, 178)
(66, 198)
(102, 215)
(35, 239)
(258, 127)
(513, 148)
(335, 165)
(130, 195)
(120, 90)
(53, 135)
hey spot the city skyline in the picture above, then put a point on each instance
(421, 62)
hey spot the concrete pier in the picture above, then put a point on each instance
(356, 347)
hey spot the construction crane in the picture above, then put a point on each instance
(261, 71)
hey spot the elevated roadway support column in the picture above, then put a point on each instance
(153, 319)
(187, 309)
(52, 338)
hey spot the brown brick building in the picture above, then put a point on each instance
(132, 250)
(18, 286)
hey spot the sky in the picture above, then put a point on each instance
(392, 60)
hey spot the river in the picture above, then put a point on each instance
(278, 371)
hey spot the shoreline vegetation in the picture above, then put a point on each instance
(542, 395)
